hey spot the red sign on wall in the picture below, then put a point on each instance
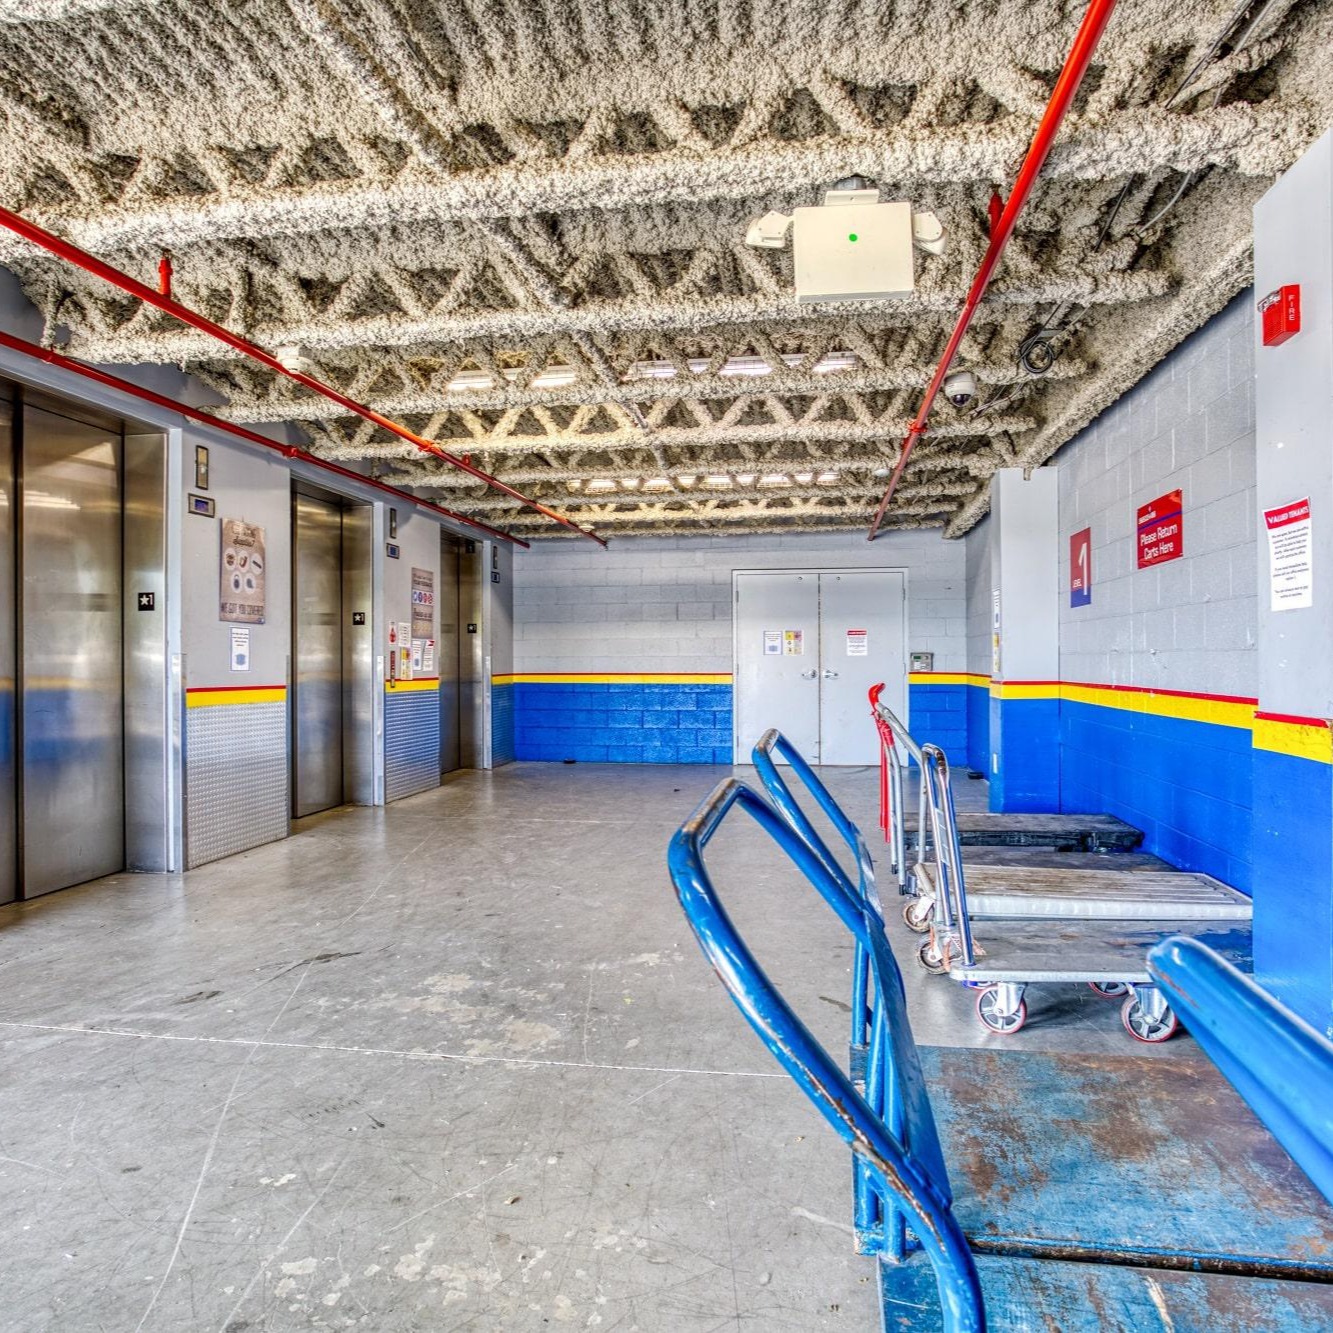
(1161, 530)
(1080, 568)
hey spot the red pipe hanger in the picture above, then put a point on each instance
(1062, 96)
(253, 437)
(72, 254)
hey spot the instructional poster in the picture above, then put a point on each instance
(244, 562)
(1290, 566)
(793, 642)
(858, 643)
(423, 603)
(240, 647)
(772, 643)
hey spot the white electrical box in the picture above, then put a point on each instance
(853, 252)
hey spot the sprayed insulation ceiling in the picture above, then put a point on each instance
(517, 226)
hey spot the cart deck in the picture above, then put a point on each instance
(1055, 858)
(1031, 890)
(1026, 950)
(1029, 1296)
(1084, 833)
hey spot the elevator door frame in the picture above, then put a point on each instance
(356, 619)
(149, 763)
(449, 653)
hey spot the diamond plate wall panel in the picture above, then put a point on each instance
(411, 742)
(236, 779)
(502, 725)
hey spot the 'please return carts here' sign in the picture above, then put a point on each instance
(1161, 530)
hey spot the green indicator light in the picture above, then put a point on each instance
(852, 236)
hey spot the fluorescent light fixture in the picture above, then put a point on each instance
(559, 377)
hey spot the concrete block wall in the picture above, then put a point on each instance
(978, 666)
(626, 654)
(1158, 674)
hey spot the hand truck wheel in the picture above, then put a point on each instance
(1006, 1024)
(1143, 1026)
(1109, 990)
(931, 958)
(916, 914)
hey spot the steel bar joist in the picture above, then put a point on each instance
(516, 230)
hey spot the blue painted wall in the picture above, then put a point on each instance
(1293, 865)
(1186, 784)
(1025, 733)
(977, 706)
(937, 714)
(623, 724)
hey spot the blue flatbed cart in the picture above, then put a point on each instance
(1087, 1193)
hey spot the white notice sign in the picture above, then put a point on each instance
(772, 643)
(793, 641)
(1290, 568)
(240, 647)
(858, 641)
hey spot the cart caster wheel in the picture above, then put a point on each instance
(916, 915)
(1109, 990)
(1142, 1026)
(931, 960)
(1005, 1024)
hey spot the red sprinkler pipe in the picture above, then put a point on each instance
(1076, 65)
(164, 274)
(253, 437)
(65, 250)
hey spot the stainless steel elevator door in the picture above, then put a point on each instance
(72, 821)
(451, 729)
(317, 714)
(8, 814)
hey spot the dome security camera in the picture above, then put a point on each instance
(960, 387)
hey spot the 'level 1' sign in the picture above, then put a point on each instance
(1161, 530)
(1080, 568)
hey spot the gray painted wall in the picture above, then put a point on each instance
(664, 604)
(978, 597)
(1189, 624)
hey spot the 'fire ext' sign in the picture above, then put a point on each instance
(1161, 530)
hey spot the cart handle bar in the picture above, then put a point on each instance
(898, 1172)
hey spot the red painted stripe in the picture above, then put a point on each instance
(229, 689)
(1147, 689)
(635, 674)
(1294, 720)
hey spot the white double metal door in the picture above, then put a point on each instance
(809, 645)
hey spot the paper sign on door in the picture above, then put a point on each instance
(1290, 569)
(858, 641)
(794, 642)
(772, 643)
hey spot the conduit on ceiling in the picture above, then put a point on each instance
(72, 254)
(240, 432)
(1075, 66)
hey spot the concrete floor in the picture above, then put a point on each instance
(453, 1065)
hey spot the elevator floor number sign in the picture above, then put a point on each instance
(1080, 568)
(1161, 530)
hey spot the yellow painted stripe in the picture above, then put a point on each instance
(264, 694)
(1025, 689)
(411, 686)
(1301, 740)
(614, 678)
(1185, 707)
(946, 678)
